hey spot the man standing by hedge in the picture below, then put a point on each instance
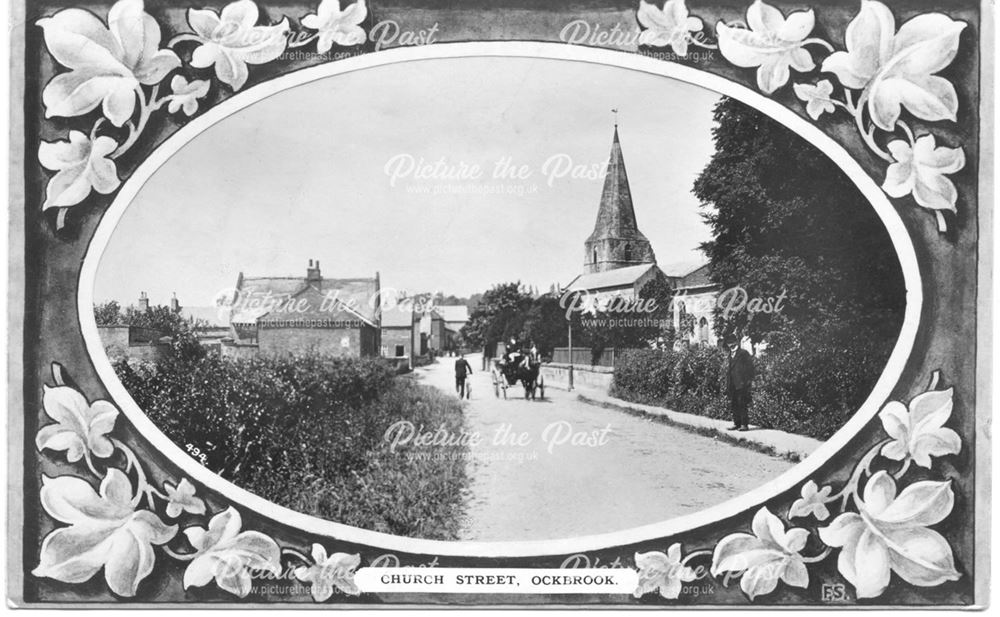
(740, 375)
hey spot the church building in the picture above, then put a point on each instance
(619, 261)
(618, 258)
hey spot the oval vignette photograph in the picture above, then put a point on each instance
(498, 299)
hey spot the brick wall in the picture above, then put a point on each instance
(391, 337)
(353, 342)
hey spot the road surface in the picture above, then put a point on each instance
(561, 467)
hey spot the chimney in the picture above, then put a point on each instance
(312, 273)
(175, 305)
(143, 301)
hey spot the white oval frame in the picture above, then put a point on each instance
(548, 51)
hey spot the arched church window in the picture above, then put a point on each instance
(594, 260)
(703, 331)
(628, 252)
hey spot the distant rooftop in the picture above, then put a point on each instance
(453, 313)
(397, 317)
(211, 316)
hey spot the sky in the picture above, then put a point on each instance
(331, 171)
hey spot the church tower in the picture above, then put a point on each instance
(616, 241)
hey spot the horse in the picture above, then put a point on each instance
(507, 374)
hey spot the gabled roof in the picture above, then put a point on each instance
(397, 317)
(700, 277)
(621, 277)
(257, 296)
(453, 313)
(309, 304)
(681, 269)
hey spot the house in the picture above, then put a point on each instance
(432, 327)
(310, 314)
(454, 318)
(401, 334)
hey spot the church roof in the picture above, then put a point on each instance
(700, 277)
(621, 277)
(616, 216)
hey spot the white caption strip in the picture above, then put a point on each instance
(497, 580)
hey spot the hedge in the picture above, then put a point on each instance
(308, 433)
(809, 389)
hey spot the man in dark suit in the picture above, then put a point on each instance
(462, 371)
(740, 375)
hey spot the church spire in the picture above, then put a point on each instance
(616, 241)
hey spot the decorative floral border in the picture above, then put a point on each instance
(119, 525)
(120, 67)
(882, 71)
(879, 528)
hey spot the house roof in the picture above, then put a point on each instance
(621, 277)
(397, 317)
(257, 296)
(453, 313)
(311, 303)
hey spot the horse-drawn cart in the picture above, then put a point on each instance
(506, 374)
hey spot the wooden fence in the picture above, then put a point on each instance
(584, 356)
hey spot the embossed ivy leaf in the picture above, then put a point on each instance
(231, 40)
(672, 25)
(327, 573)
(890, 534)
(82, 165)
(181, 498)
(898, 68)
(920, 169)
(769, 555)
(228, 555)
(918, 431)
(773, 44)
(662, 572)
(337, 26)
(80, 426)
(107, 62)
(106, 531)
(812, 502)
(186, 94)
(817, 97)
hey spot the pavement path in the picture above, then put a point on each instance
(561, 467)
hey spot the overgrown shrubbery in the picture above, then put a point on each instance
(801, 386)
(308, 432)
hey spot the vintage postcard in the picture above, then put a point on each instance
(434, 303)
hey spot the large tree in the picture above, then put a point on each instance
(785, 218)
(787, 221)
(499, 315)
